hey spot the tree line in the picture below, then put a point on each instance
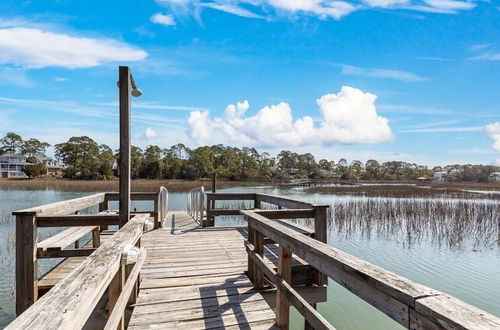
(86, 159)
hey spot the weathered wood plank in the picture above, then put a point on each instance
(64, 238)
(26, 263)
(117, 311)
(78, 294)
(77, 220)
(282, 299)
(230, 196)
(445, 312)
(65, 253)
(63, 207)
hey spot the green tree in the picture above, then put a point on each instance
(135, 162)
(34, 147)
(152, 163)
(34, 168)
(11, 143)
(81, 154)
(105, 162)
(201, 163)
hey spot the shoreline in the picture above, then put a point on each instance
(139, 185)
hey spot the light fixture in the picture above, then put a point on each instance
(136, 92)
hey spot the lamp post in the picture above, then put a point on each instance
(126, 87)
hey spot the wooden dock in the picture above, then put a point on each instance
(175, 270)
(194, 277)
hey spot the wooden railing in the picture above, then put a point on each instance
(64, 214)
(412, 305)
(114, 266)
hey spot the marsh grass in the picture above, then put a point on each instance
(112, 185)
(479, 191)
(445, 222)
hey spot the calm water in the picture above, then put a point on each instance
(469, 273)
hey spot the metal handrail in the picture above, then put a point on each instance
(162, 204)
(196, 204)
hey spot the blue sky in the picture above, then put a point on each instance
(386, 79)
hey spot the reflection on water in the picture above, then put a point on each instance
(374, 229)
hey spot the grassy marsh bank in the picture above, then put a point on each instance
(112, 185)
(452, 190)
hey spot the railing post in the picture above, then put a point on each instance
(115, 288)
(103, 206)
(26, 262)
(256, 202)
(320, 234)
(214, 189)
(209, 208)
(251, 264)
(155, 210)
(282, 303)
(258, 243)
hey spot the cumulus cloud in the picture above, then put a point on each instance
(167, 20)
(493, 132)
(34, 48)
(348, 117)
(149, 133)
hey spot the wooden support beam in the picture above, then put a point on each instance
(65, 253)
(287, 213)
(282, 302)
(77, 220)
(116, 318)
(114, 291)
(320, 234)
(258, 242)
(124, 159)
(26, 262)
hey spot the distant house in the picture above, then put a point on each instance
(495, 177)
(423, 179)
(12, 165)
(53, 166)
(440, 176)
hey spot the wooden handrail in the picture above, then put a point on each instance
(411, 304)
(116, 315)
(64, 207)
(70, 302)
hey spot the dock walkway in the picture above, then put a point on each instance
(193, 278)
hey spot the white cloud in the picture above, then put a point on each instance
(385, 3)
(34, 48)
(60, 79)
(167, 20)
(381, 73)
(231, 9)
(14, 77)
(324, 9)
(451, 5)
(488, 56)
(149, 133)
(348, 117)
(493, 132)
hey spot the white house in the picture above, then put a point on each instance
(495, 177)
(440, 176)
(12, 165)
(53, 166)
